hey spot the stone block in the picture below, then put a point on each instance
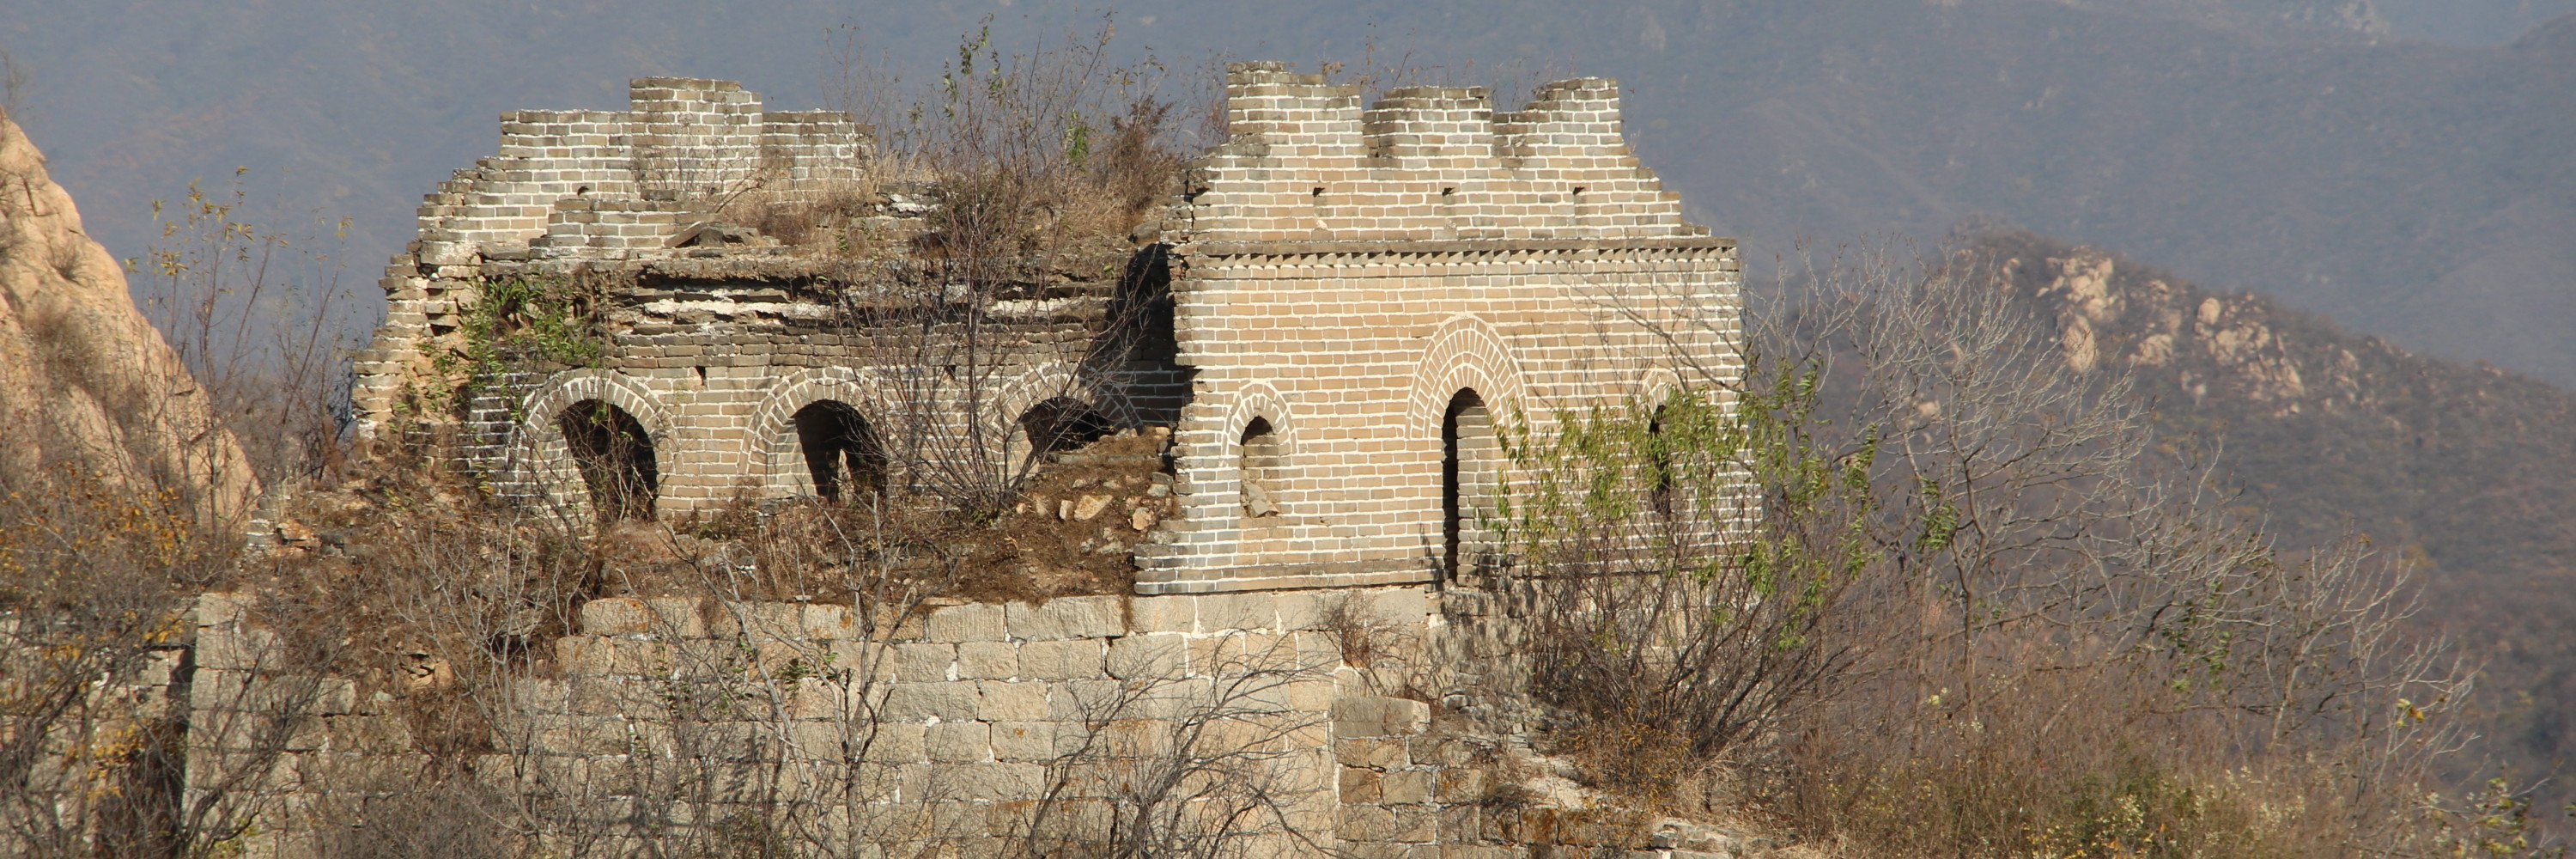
(1079, 659)
(867, 661)
(616, 616)
(828, 621)
(1366, 823)
(960, 742)
(1413, 823)
(238, 650)
(821, 700)
(1406, 786)
(1462, 823)
(914, 702)
(1303, 610)
(682, 617)
(534, 694)
(219, 609)
(1375, 716)
(1441, 749)
(1176, 613)
(975, 622)
(924, 663)
(1031, 740)
(1012, 702)
(1369, 752)
(1067, 617)
(1461, 785)
(989, 782)
(1359, 785)
(1085, 700)
(988, 660)
(895, 743)
(1252, 610)
(1397, 607)
(1147, 657)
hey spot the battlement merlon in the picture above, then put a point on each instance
(1307, 161)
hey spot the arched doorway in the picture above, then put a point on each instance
(841, 450)
(615, 455)
(1469, 461)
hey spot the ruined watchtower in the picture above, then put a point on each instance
(1333, 318)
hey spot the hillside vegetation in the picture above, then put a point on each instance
(2467, 469)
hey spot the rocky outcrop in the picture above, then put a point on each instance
(85, 380)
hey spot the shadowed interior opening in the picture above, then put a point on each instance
(1259, 469)
(1062, 423)
(1467, 454)
(615, 456)
(841, 451)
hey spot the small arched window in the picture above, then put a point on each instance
(615, 455)
(1470, 463)
(1259, 470)
(841, 451)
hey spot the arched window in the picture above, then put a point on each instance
(841, 450)
(615, 456)
(1259, 470)
(1470, 461)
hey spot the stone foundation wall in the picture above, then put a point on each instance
(1325, 723)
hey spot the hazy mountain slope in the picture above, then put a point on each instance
(2468, 469)
(2469, 22)
(2410, 189)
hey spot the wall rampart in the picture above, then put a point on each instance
(1332, 723)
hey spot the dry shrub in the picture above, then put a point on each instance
(1026, 154)
(1926, 589)
(96, 577)
(386, 812)
(259, 317)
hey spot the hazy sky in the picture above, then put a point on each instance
(2408, 183)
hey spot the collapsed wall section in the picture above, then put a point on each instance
(591, 186)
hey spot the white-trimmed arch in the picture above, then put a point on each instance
(784, 471)
(1465, 352)
(541, 459)
(1255, 400)
(1659, 383)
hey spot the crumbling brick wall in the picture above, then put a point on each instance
(1342, 277)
